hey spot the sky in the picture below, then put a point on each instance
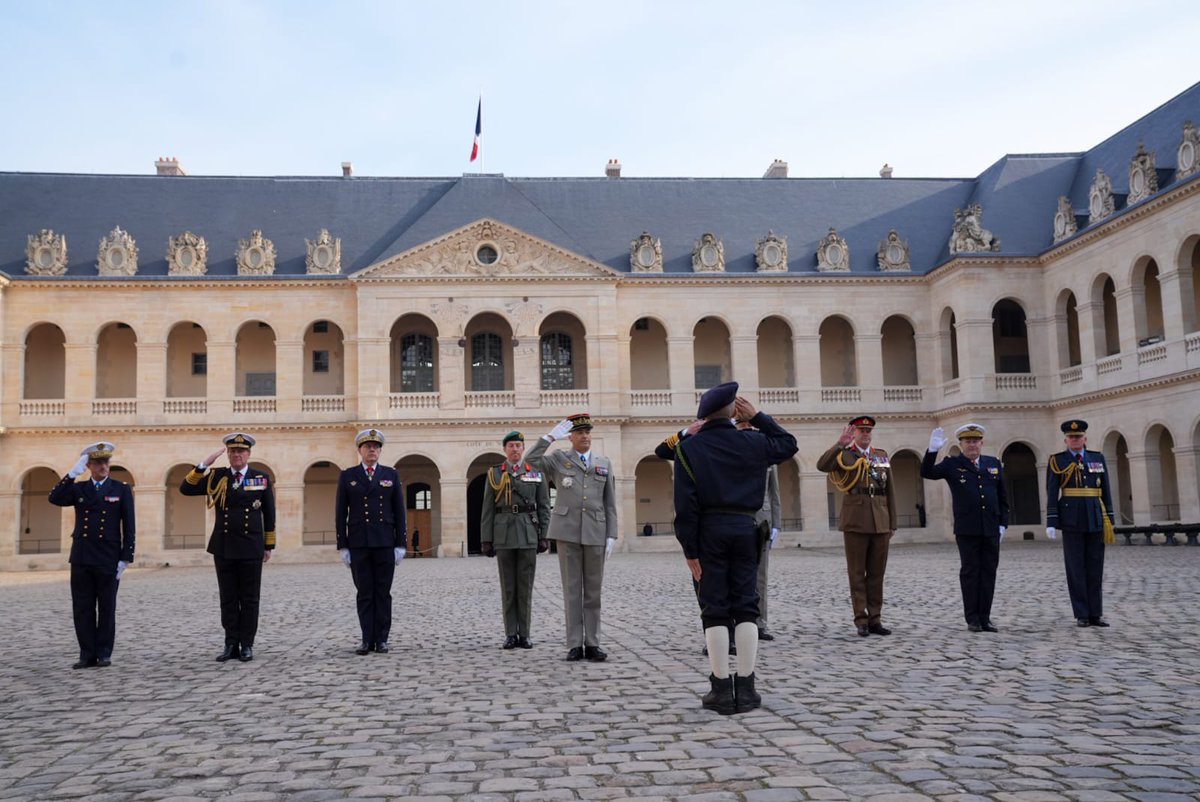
(704, 89)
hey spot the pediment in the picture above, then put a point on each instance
(487, 249)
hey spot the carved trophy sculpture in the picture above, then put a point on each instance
(708, 254)
(1101, 203)
(118, 254)
(1065, 224)
(645, 254)
(324, 254)
(892, 255)
(256, 255)
(1187, 158)
(833, 254)
(187, 255)
(46, 253)
(969, 235)
(770, 254)
(1143, 177)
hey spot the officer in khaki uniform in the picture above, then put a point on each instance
(867, 519)
(584, 523)
(243, 537)
(513, 524)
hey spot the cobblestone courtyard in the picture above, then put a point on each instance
(1040, 711)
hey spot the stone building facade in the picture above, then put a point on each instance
(449, 311)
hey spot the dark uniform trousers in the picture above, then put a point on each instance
(373, 570)
(1081, 520)
(517, 570)
(239, 583)
(729, 578)
(369, 516)
(979, 557)
(103, 535)
(866, 563)
(1083, 556)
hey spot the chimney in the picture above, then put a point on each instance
(168, 165)
(885, 171)
(613, 168)
(347, 169)
(778, 169)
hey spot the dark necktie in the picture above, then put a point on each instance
(237, 480)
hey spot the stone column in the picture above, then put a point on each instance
(1127, 300)
(10, 510)
(682, 369)
(868, 352)
(150, 506)
(289, 377)
(372, 377)
(1041, 339)
(1090, 337)
(626, 487)
(929, 354)
(608, 374)
(1187, 479)
(151, 377)
(806, 356)
(289, 515)
(743, 352)
(527, 373)
(222, 378)
(1172, 305)
(454, 518)
(12, 368)
(452, 359)
(976, 353)
(1139, 485)
(80, 384)
(813, 497)
(350, 386)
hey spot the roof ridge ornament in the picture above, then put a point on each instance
(708, 254)
(645, 254)
(1187, 157)
(46, 253)
(187, 255)
(256, 255)
(324, 254)
(833, 254)
(1065, 224)
(1143, 177)
(893, 254)
(118, 254)
(969, 235)
(770, 253)
(1101, 203)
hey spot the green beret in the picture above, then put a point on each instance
(514, 435)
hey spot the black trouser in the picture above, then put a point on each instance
(94, 605)
(373, 570)
(239, 582)
(979, 555)
(728, 569)
(1083, 553)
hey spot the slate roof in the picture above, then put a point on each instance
(594, 217)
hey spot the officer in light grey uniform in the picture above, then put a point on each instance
(513, 522)
(584, 523)
(768, 520)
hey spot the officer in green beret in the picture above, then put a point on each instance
(513, 525)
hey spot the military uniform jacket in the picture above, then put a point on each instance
(722, 469)
(869, 505)
(980, 503)
(370, 513)
(1077, 513)
(104, 520)
(585, 506)
(516, 507)
(245, 521)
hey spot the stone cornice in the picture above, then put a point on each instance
(158, 283)
(964, 261)
(704, 279)
(1074, 400)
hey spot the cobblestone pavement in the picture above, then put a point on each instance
(1041, 711)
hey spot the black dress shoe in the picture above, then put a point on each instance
(595, 654)
(81, 663)
(510, 642)
(879, 629)
(764, 635)
(104, 662)
(246, 654)
(988, 626)
(363, 648)
(524, 642)
(576, 653)
(231, 651)
(1081, 622)
(863, 631)
(382, 647)
(974, 628)
(1097, 622)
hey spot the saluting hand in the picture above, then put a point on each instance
(743, 410)
(847, 436)
(211, 458)
(694, 426)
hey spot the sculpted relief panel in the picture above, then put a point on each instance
(969, 235)
(770, 254)
(1101, 203)
(324, 254)
(645, 254)
(892, 256)
(256, 255)
(187, 255)
(118, 254)
(46, 254)
(833, 254)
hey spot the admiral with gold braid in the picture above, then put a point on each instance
(243, 537)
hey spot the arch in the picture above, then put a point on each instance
(324, 359)
(422, 513)
(476, 476)
(654, 488)
(649, 363)
(1069, 353)
(320, 504)
(255, 359)
(562, 352)
(414, 358)
(776, 361)
(839, 363)
(1105, 322)
(185, 524)
(1116, 454)
(41, 522)
(122, 474)
(899, 351)
(116, 361)
(1021, 484)
(948, 341)
(265, 468)
(1010, 337)
(712, 355)
(1147, 302)
(187, 360)
(45, 362)
(1161, 474)
(1188, 265)
(909, 488)
(489, 362)
(791, 513)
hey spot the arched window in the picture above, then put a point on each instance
(416, 363)
(487, 362)
(558, 366)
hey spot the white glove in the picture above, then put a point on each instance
(121, 566)
(774, 534)
(608, 547)
(561, 430)
(399, 554)
(345, 553)
(937, 439)
(79, 466)
(683, 432)
(1002, 533)
(1051, 533)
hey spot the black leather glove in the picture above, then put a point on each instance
(488, 549)
(543, 546)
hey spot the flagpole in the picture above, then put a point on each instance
(481, 130)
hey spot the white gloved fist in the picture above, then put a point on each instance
(121, 566)
(79, 466)
(399, 554)
(774, 534)
(1051, 533)
(1002, 533)
(608, 547)
(561, 430)
(345, 555)
(937, 439)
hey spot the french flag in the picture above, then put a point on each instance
(478, 129)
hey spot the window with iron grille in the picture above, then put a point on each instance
(487, 362)
(416, 363)
(558, 367)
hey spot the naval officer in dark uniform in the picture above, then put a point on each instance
(243, 537)
(1079, 503)
(980, 517)
(513, 523)
(372, 531)
(720, 481)
(101, 548)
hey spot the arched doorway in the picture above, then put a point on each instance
(909, 489)
(1021, 485)
(899, 349)
(1116, 454)
(1161, 474)
(654, 485)
(711, 352)
(41, 521)
(45, 363)
(789, 496)
(116, 362)
(320, 504)
(423, 502)
(1010, 337)
(648, 364)
(185, 526)
(839, 365)
(476, 476)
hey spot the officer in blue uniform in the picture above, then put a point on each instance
(101, 548)
(720, 481)
(372, 530)
(243, 537)
(980, 517)
(1079, 504)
